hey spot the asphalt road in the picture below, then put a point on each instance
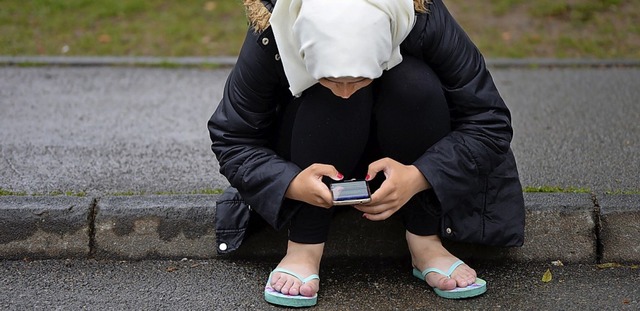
(356, 285)
(105, 130)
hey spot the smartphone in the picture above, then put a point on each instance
(350, 192)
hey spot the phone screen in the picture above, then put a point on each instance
(350, 190)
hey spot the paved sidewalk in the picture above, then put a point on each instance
(133, 142)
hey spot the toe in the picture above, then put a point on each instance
(464, 276)
(440, 281)
(288, 285)
(308, 289)
(447, 284)
(462, 283)
(277, 282)
(285, 284)
(294, 290)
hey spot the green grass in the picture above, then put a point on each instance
(68, 193)
(623, 192)
(554, 189)
(501, 28)
(122, 28)
(6, 192)
(502, 7)
(200, 191)
(552, 28)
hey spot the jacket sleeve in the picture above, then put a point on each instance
(242, 125)
(457, 165)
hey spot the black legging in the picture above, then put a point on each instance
(400, 115)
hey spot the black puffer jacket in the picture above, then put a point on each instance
(472, 170)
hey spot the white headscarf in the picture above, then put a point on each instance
(339, 38)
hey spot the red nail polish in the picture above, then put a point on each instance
(340, 176)
(367, 177)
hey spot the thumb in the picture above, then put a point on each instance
(374, 168)
(329, 171)
(336, 176)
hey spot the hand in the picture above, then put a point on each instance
(308, 187)
(402, 182)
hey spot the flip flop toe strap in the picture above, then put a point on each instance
(295, 275)
(447, 274)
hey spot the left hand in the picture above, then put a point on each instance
(401, 184)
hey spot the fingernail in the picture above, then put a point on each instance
(340, 176)
(367, 177)
(364, 216)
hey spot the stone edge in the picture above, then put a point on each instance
(567, 227)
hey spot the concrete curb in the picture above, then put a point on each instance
(620, 228)
(141, 227)
(44, 227)
(568, 227)
(226, 61)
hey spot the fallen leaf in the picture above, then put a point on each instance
(506, 36)
(635, 266)
(626, 301)
(172, 269)
(210, 6)
(104, 38)
(547, 276)
(557, 263)
(608, 265)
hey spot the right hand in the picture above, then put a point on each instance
(308, 187)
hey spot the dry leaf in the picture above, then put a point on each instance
(557, 263)
(547, 276)
(104, 38)
(608, 265)
(172, 269)
(210, 6)
(506, 36)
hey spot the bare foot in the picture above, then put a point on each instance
(428, 252)
(304, 260)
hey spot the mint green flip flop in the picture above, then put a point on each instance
(476, 289)
(277, 298)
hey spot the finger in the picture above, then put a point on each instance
(376, 167)
(367, 209)
(374, 209)
(327, 200)
(378, 217)
(326, 170)
(322, 195)
(381, 195)
(370, 176)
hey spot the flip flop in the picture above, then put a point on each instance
(476, 289)
(275, 297)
